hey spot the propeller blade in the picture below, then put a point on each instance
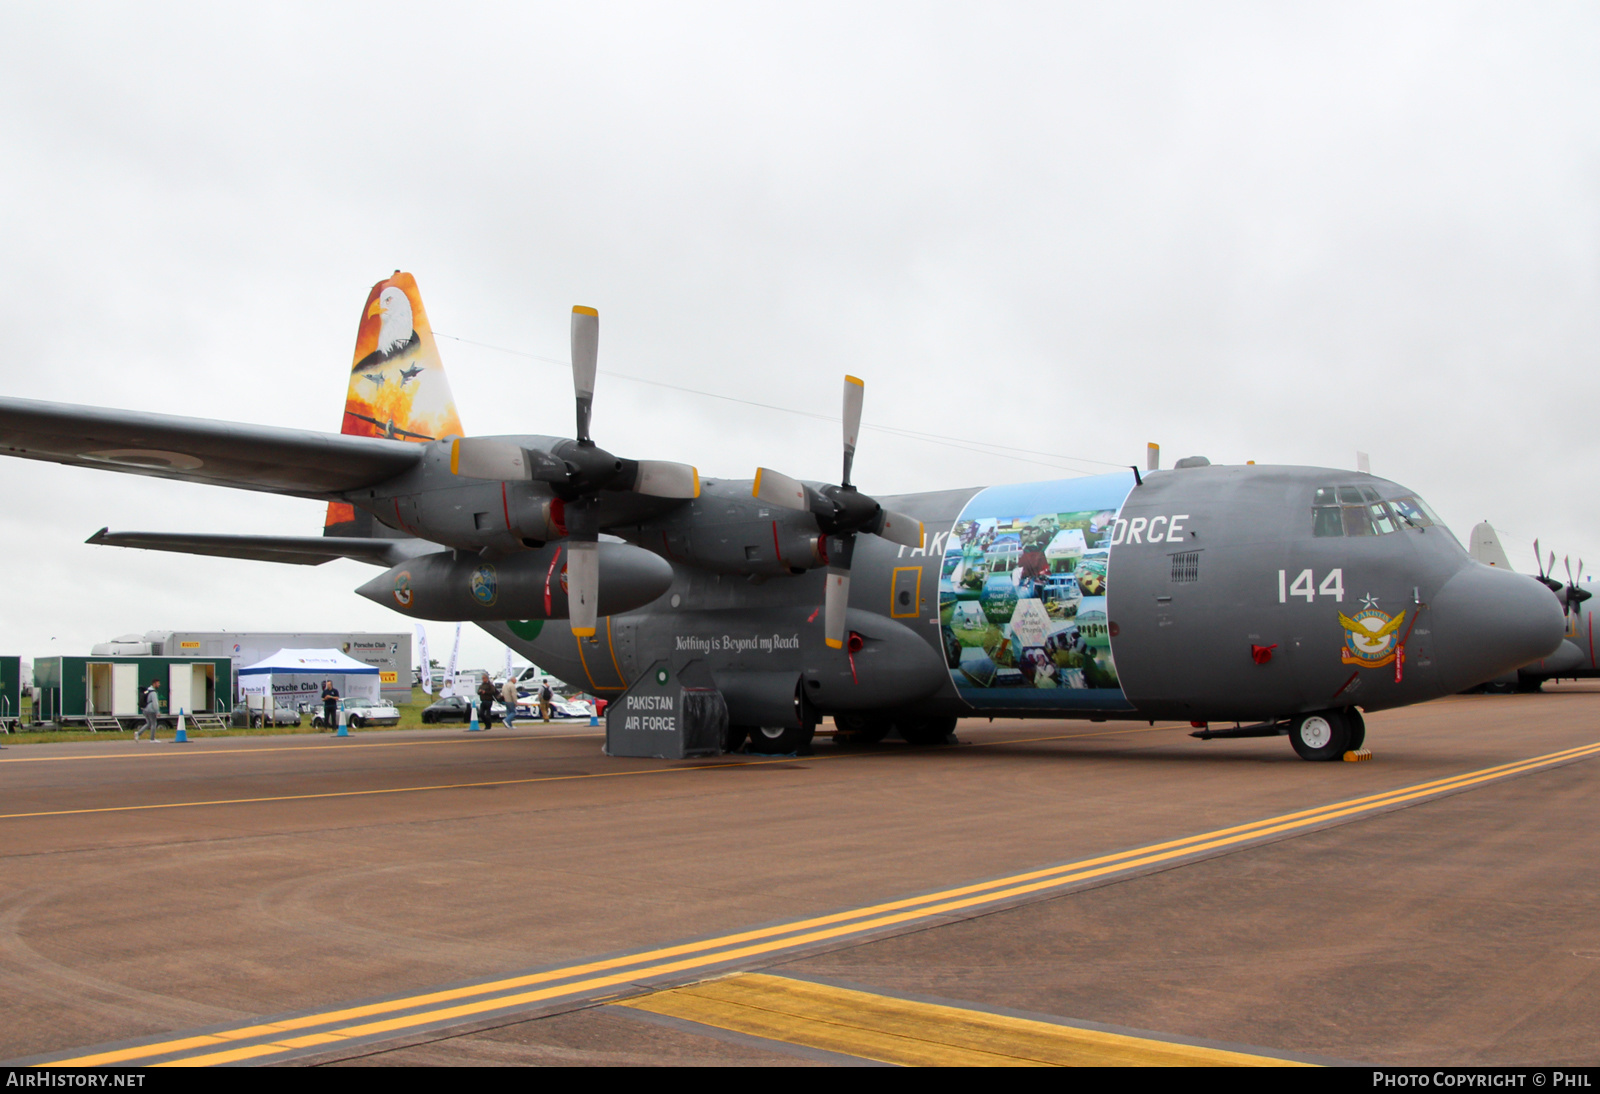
(665, 479)
(1152, 456)
(854, 393)
(583, 585)
(585, 354)
(1552, 567)
(901, 529)
(836, 603)
(488, 458)
(1538, 558)
(776, 488)
(1567, 559)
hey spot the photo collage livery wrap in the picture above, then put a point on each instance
(1022, 595)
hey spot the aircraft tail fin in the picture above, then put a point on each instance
(1485, 547)
(397, 387)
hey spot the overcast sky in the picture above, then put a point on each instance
(1250, 231)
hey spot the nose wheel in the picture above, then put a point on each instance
(1327, 734)
(776, 740)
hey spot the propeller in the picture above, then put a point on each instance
(577, 471)
(1576, 594)
(1544, 576)
(842, 512)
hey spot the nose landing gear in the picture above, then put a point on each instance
(1327, 734)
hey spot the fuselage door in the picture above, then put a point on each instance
(905, 594)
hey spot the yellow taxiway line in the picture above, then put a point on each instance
(394, 1017)
(892, 1030)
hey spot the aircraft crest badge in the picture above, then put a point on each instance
(485, 589)
(1371, 638)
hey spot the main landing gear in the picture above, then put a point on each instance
(870, 728)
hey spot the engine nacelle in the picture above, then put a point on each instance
(434, 503)
(727, 531)
(528, 585)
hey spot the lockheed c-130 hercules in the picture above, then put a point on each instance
(1290, 598)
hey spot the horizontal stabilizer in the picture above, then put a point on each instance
(297, 550)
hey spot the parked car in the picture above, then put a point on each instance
(371, 712)
(451, 708)
(570, 708)
(525, 709)
(364, 712)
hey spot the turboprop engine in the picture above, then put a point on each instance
(527, 585)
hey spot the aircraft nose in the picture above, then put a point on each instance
(1488, 621)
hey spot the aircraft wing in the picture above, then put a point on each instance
(299, 550)
(297, 462)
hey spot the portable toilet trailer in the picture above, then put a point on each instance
(10, 691)
(74, 689)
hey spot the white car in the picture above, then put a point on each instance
(570, 708)
(364, 712)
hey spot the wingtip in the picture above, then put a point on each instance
(96, 538)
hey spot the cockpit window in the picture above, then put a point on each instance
(1360, 511)
(1351, 511)
(1412, 513)
(1382, 519)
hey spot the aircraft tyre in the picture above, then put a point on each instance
(926, 731)
(1358, 729)
(861, 729)
(781, 740)
(733, 738)
(1321, 735)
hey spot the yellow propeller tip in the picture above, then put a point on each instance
(579, 309)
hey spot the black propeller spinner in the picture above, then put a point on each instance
(841, 512)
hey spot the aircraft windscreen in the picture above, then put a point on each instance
(1360, 511)
(1350, 511)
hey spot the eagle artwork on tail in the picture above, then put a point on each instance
(396, 335)
(393, 342)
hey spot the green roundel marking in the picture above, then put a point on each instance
(661, 676)
(526, 628)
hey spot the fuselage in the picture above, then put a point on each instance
(1204, 593)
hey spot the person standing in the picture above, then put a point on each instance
(545, 696)
(508, 696)
(330, 705)
(152, 710)
(486, 697)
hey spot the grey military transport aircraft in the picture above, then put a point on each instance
(1576, 657)
(1283, 600)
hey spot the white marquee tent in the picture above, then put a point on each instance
(295, 676)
